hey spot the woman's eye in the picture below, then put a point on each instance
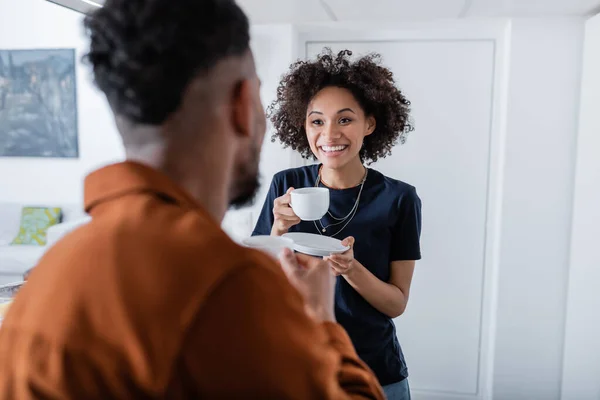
(345, 120)
(317, 122)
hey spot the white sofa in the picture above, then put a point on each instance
(15, 260)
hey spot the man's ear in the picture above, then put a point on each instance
(242, 111)
(371, 125)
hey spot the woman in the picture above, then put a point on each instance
(346, 114)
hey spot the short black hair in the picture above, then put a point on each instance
(144, 53)
(371, 84)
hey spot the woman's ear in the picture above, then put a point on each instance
(371, 125)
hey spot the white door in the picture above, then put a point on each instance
(448, 158)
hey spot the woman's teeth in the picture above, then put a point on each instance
(331, 149)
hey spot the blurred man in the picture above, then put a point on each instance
(151, 299)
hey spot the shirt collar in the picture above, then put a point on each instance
(119, 179)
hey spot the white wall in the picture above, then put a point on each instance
(274, 50)
(581, 370)
(31, 24)
(545, 64)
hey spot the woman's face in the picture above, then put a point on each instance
(336, 126)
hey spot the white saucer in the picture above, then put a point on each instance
(272, 245)
(316, 245)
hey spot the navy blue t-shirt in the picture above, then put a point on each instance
(387, 227)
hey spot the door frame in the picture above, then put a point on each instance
(497, 31)
(581, 357)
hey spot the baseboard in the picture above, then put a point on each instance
(432, 395)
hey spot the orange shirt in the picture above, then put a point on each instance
(151, 299)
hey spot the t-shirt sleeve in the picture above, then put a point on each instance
(265, 219)
(406, 235)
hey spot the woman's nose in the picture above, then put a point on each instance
(331, 131)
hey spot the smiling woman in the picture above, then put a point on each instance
(346, 113)
(335, 135)
(369, 86)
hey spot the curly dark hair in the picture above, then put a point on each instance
(371, 84)
(144, 53)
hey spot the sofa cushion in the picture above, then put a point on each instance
(35, 222)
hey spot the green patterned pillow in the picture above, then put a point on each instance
(35, 221)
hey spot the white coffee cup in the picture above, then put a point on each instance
(310, 204)
(272, 245)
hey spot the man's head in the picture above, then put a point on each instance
(181, 80)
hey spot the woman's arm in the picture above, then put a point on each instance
(390, 297)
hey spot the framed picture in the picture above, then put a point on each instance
(38, 103)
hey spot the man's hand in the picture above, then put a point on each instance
(313, 278)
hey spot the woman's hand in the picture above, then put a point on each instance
(344, 263)
(390, 297)
(285, 217)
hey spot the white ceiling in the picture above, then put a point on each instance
(314, 11)
(307, 11)
(532, 8)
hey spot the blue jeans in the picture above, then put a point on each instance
(398, 391)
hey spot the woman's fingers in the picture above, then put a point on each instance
(349, 241)
(340, 267)
(285, 199)
(282, 209)
(340, 259)
(287, 218)
(284, 212)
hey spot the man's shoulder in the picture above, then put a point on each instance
(130, 261)
(145, 229)
(102, 272)
(183, 252)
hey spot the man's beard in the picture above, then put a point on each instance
(246, 182)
